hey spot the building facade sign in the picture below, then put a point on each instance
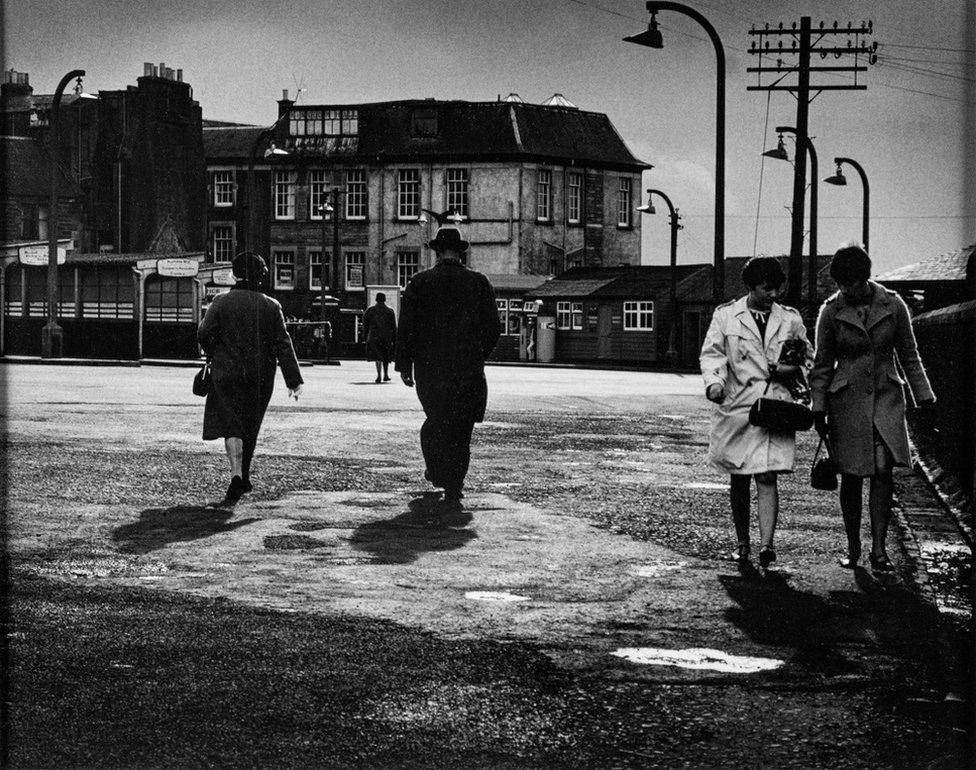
(37, 255)
(224, 277)
(177, 268)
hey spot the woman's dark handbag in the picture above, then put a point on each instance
(779, 416)
(202, 380)
(823, 475)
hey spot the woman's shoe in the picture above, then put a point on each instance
(235, 490)
(741, 553)
(766, 556)
(880, 563)
(849, 561)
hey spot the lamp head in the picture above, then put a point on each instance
(779, 153)
(647, 208)
(272, 150)
(838, 178)
(651, 37)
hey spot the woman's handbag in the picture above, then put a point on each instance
(202, 380)
(823, 475)
(778, 416)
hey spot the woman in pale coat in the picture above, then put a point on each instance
(858, 395)
(739, 359)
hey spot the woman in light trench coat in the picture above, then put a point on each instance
(739, 359)
(858, 395)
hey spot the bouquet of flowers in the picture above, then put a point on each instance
(794, 353)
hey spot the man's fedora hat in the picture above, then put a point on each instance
(448, 238)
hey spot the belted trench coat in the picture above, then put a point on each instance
(735, 356)
(855, 379)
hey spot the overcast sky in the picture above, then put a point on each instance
(912, 129)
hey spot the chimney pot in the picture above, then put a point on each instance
(284, 94)
(179, 75)
(147, 69)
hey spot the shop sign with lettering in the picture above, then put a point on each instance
(37, 255)
(177, 268)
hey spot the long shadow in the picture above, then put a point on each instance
(158, 527)
(826, 632)
(425, 526)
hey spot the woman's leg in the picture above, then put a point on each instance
(879, 497)
(850, 507)
(249, 443)
(767, 502)
(235, 453)
(739, 499)
(379, 369)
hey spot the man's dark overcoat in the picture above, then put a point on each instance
(448, 327)
(244, 334)
(855, 380)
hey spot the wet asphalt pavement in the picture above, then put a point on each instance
(336, 617)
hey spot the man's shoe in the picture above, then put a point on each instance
(235, 490)
(766, 557)
(378, 380)
(386, 379)
(247, 484)
(452, 499)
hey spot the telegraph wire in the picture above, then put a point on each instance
(925, 72)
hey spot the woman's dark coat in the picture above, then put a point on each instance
(448, 327)
(244, 334)
(379, 325)
(855, 380)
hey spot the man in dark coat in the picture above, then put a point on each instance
(244, 334)
(379, 326)
(448, 326)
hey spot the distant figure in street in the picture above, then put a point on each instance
(740, 363)
(448, 326)
(244, 334)
(379, 326)
(859, 397)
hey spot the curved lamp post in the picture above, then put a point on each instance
(780, 154)
(674, 221)
(52, 335)
(652, 38)
(271, 151)
(840, 179)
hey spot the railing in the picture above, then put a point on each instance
(947, 341)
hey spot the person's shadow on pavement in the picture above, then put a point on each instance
(826, 631)
(425, 526)
(158, 527)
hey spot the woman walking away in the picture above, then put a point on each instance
(739, 361)
(244, 334)
(379, 326)
(858, 396)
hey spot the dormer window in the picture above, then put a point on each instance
(423, 124)
(320, 122)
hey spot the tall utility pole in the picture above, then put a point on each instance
(807, 40)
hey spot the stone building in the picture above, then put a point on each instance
(541, 188)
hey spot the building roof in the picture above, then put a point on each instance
(941, 267)
(112, 258)
(27, 171)
(507, 282)
(464, 130)
(211, 123)
(620, 282)
(229, 142)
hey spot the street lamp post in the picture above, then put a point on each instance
(652, 38)
(780, 153)
(271, 151)
(52, 336)
(674, 221)
(840, 179)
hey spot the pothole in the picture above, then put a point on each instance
(656, 570)
(495, 596)
(697, 658)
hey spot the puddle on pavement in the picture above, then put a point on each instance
(656, 570)
(705, 485)
(698, 658)
(495, 596)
